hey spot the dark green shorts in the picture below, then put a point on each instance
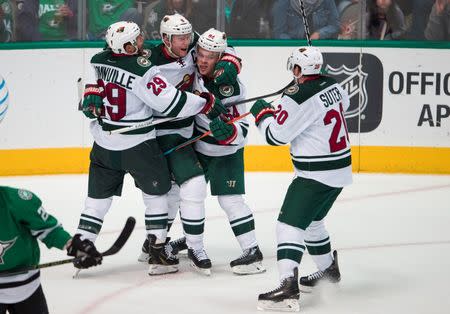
(306, 201)
(145, 162)
(183, 163)
(225, 173)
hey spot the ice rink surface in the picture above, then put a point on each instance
(392, 233)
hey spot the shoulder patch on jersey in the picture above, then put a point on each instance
(143, 62)
(25, 195)
(226, 90)
(147, 53)
(291, 90)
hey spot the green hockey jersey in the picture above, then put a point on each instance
(23, 220)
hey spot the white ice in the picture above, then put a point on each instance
(392, 233)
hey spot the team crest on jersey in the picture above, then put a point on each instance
(226, 90)
(143, 62)
(291, 90)
(5, 246)
(25, 195)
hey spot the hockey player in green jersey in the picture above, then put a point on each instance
(130, 90)
(222, 153)
(23, 221)
(175, 58)
(309, 117)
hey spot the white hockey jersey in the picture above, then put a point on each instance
(310, 117)
(134, 89)
(227, 94)
(180, 73)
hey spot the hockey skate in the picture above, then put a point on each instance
(284, 298)
(200, 261)
(178, 245)
(249, 262)
(331, 274)
(174, 246)
(161, 261)
(144, 253)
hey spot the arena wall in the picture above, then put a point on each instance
(399, 120)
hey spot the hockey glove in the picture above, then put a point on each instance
(224, 133)
(85, 252)
(213, 107)
(226, 70)
(93, 101)
(261, 110)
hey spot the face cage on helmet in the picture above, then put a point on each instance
(290, 64)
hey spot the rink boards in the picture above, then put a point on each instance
(399, 118)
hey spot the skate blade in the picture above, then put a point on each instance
(155, 269)
(203, 271)
(75, 275)
(288, 305)
(182, 253)
(143, 258)
(305, 289)
(254, 268)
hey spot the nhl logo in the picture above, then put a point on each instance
(354, 83)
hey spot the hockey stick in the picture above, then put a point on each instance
(152, 123)
(259, 97)
(80, 93)
(305, 22)
(115, 247)
(195, 139)
(142, 125)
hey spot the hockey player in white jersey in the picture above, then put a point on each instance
(222, 153)
(129, 89)
(310, 117)
(175, 59)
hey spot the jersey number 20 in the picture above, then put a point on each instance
(337, 143)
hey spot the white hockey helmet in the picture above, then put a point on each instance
(121, 33)
(4, 98)
(213, 40)
(309, 59)
(175, 24)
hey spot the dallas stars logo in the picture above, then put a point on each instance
(4, 246)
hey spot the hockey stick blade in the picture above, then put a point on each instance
(115, 247)
(122, 238)
(80, 93)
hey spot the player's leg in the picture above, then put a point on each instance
(148, 167)
(226, 174)
(302, 203)
(173, 200)
(105, 180)
(187, 172)
(35, 304)
(318, 243)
